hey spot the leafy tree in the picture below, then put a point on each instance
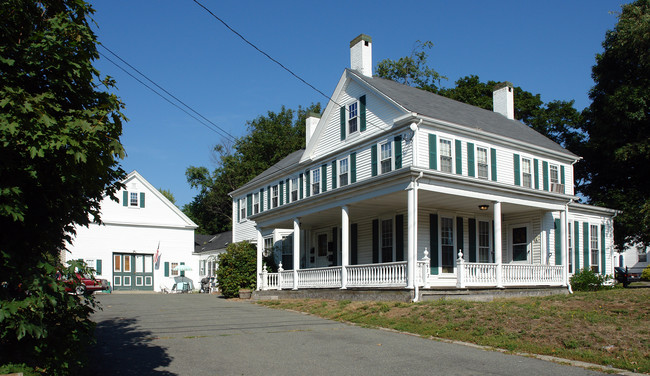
(618, 125)
(270, 139)
(412, 70)
(237, 268)
(59, 133)
(168, 195)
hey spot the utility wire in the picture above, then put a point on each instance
(220, 131)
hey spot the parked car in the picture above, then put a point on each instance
(87, 286)
(623, 276)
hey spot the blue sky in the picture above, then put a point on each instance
(546, 47)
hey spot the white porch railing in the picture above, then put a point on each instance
(390, 274)
(319, 277)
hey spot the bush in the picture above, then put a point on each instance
(237, 269)
(587, 280)
(645, 274)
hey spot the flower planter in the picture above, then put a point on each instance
(245, 293)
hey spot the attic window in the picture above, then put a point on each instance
(353, 115)
(133, 199)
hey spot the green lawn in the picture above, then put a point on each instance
(606, 327)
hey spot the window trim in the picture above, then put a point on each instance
(594, 252)
(529, 173)
(441, 155)
(242, 209)
(349, 118)
(550, 173)
(315, 181)
(346, 173)
(381, 158)
(275, 196)
(294, 189)
(487, 162)
(256, 205)
(134, 203)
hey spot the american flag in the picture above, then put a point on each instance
(156, 258)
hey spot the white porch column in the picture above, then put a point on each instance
(563, 246)
(260, 249)
(296, 251)
(345, 246)
(411, 243)
(498, 259)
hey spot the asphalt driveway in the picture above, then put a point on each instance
(199, 334)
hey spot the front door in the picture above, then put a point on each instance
(321, 251)
(520, 244)
(132, 271)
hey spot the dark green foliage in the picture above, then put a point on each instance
(618, 125)
(587, 280)
(270, 139)
(59, 145)
(645, 274)
(412, 70)
(237, 267)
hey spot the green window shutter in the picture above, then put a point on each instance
(238, 210)
(362, 113)
(603, 253)
(166, 269)
(536, 167)
(334, 174)
(375, 241)
(354, 249)
(585, 244)
(545, 174)
(558, 242)
(459, 157)
(517, 170)
(373, 160)
(342, 123)
(308, 184)
(98, 266)
(470, 159)
(562, 178)
(576, 248)
(249, 205)
(398, 152)
(323, 178)
(125, 198)
(335, 246)
(433, 152)
(471, 224)
(268, 197)
(261, 200)
(302, 190)
(287, 190)
(353, 168)
(142, 199)
(281, 192)
(434, 252)
(399, 237)
(493, 163)
(459, 234)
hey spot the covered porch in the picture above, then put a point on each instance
(420, 232)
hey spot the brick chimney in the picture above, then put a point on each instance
(361, 55)
(503, 100)
(310, 126)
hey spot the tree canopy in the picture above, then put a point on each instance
(59, 131)
(617, 155)
(271, 138)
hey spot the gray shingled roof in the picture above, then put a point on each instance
(208, 243)
(439, 107)
(287, 162)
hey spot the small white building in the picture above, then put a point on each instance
(635, 258)
(140, 225)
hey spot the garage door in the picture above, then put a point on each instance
(132, 271)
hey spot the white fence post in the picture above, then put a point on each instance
(460, 264)
(427, 270)
(264, 278)
(280, 270)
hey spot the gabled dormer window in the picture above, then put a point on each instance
(353, 117)
(133, 199)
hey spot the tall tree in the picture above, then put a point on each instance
(618, 125)
(271, 138)
(59, 131)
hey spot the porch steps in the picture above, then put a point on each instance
(403, 295)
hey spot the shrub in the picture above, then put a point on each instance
(237, 268)
(645, 274)
(587, 280)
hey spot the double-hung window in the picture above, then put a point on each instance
(526, 173)
(242, 209)
(484, 241)
(445, 156)
(343, 172)
(386, 157)
(256, 203)
(315, 181)
(133, 199)
(569, 239)
(387, 240)
(274, 196)
(447, 242)
(593, 237)
(294, 189)
(353, 116)
(554, 174)
(482, 162)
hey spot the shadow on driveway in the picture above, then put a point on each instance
(122, 349)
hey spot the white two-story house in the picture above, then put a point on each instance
(399, 187)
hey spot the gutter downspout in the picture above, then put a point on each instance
(416, 289)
